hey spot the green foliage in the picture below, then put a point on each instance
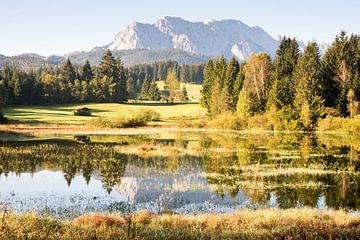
(172, 84)
(87, 72)
(137, 119)
(244, 104)
(307, 97)
(154, 92)
(339, 124)
(228, 120)
(257, 72)
(283, 86)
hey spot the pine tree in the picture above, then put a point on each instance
(122, 94)
(130, 88)
(308, 75)
(184, 95)
(238, 85)
(207, 85)
(283, 86)
(154, 92)
(215, 100)
(87, 72)
(144, 93)
(68, 73)
(232, 71)
(108, 66)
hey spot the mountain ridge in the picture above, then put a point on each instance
(168, 38)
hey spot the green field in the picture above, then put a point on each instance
(62, 114)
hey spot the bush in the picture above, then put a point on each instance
(150, 115)
(228, 121)
(137, 119)
(339, 124)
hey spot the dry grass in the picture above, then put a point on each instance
(249, 224)
(97, 220)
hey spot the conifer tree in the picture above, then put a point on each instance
(307, 75)
(215, 100)
(207, 85)
(145, 87)
(184, 94)
(121, 82)
(68, 73)
(232, 71)
(87, 72)
(283, 87)
(154, 92)
(108, 67)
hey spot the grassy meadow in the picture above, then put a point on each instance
(62, 114)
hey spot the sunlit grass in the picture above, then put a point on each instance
(62, 114)
(248, 224)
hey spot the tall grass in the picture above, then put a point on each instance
(249, 224)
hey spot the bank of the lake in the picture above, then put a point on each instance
(260, 224)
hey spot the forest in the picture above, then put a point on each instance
(290, 92)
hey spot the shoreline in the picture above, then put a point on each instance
(247, 224)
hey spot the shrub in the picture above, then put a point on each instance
(228, 120)
(150, 115)
(339, 124)
(137, 119)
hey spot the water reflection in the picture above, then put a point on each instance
(181, 172)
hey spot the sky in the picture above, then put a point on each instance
(57, 27)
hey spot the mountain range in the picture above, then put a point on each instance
(169, 38)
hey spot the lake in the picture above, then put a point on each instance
(179, 172)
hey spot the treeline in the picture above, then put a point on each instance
(295, 89)
(110, 81)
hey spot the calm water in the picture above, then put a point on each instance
(185, 173)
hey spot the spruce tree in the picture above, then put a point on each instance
(232, 71)
(215, 100)
(87, 72)
(308, 75)
(108, 67)
(154, 92)
(184, 95)
(144, 92)
(68, 73)
(283, 87)
(121, 82)
(207, 85)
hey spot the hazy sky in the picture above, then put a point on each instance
(61, 26)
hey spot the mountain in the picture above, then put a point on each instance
(215, 38)
(169, 38)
